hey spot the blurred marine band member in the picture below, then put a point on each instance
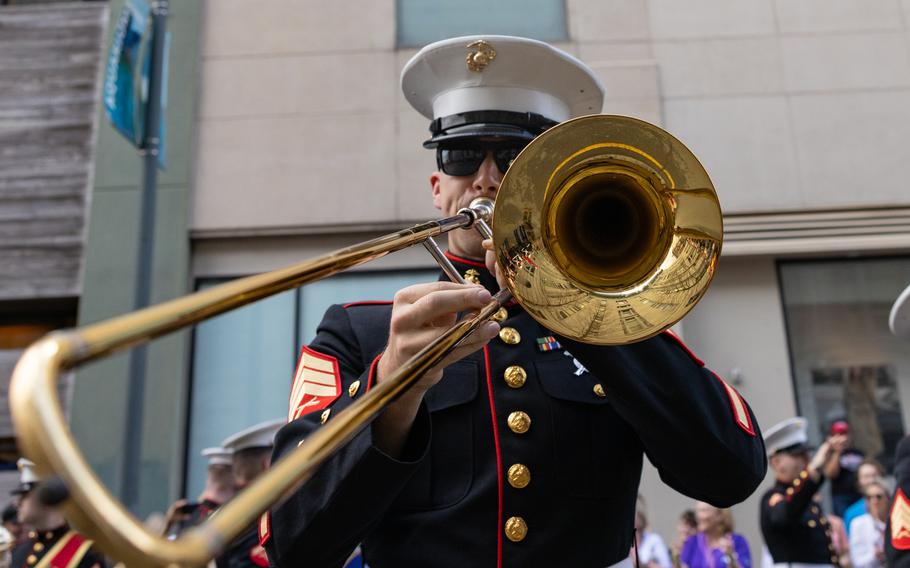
(792, 523)
(50, 540)
(219, 488)
(251, 456)
(521, 448)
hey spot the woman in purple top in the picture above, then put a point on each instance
(715, 545)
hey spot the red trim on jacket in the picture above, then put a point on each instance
(71, 552)
(265, 528)
(738, 407)
(476, 263)
(499, 527)
(367, 303)
(371, 377)
(676, 339)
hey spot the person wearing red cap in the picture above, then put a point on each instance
(842, 470)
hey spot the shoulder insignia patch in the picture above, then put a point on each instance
(317, 383)
(265, 530)
(775, 499)
(900, 521)
(738, 406)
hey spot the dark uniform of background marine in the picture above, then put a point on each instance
(897, 529)
(520, 456)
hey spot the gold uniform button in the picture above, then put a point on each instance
(38, 547)
(325, 415)
(31, 559)
(516, 529)
(32, 534)
(823, 521)
(804, 474)
(515, 376)
(796, 482)
(519, 422)
(352, 390)
(510, 335)
(519, 476)
(599, 390)
(812, 524)
(789, 491)
(501, 315)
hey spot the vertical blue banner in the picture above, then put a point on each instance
(124, 93)
(126, 78)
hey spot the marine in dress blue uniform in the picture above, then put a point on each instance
(793, 525)
(219, 487)
(250, 451)
(528, 452)
(50, 542)
(897, 530)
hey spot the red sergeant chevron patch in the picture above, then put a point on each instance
(317, 383)
(900, 521)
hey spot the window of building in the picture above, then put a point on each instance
(424, 21)
(846, 363)
(243, 361)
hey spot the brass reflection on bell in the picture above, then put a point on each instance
(519, 422)
(510, 335)
(516, 529)
(607, 229)
(515, 376)
(519, 476)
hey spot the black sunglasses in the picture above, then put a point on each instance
(465, 159)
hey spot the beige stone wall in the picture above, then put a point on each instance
(791, 105)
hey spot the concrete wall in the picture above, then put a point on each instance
(790, 105)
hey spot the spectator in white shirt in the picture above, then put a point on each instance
(652, 552)
(867, 531)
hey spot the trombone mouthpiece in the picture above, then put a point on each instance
(482, 208)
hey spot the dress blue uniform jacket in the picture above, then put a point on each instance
(897, 529)
(793, 525)
(479, 484)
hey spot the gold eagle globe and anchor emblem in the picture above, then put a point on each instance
(481, 54)
(472, 276)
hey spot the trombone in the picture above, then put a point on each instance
(607, 230)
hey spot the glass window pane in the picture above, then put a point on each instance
(242, 366)
(846, 363)
(424, 21)
(316, 298)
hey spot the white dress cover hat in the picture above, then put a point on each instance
(500, 86)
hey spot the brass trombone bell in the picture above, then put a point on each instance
(608, 231)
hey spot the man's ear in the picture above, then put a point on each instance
(436, 188)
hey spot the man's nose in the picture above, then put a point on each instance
(488, 177)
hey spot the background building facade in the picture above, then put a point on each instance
(288, 137)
